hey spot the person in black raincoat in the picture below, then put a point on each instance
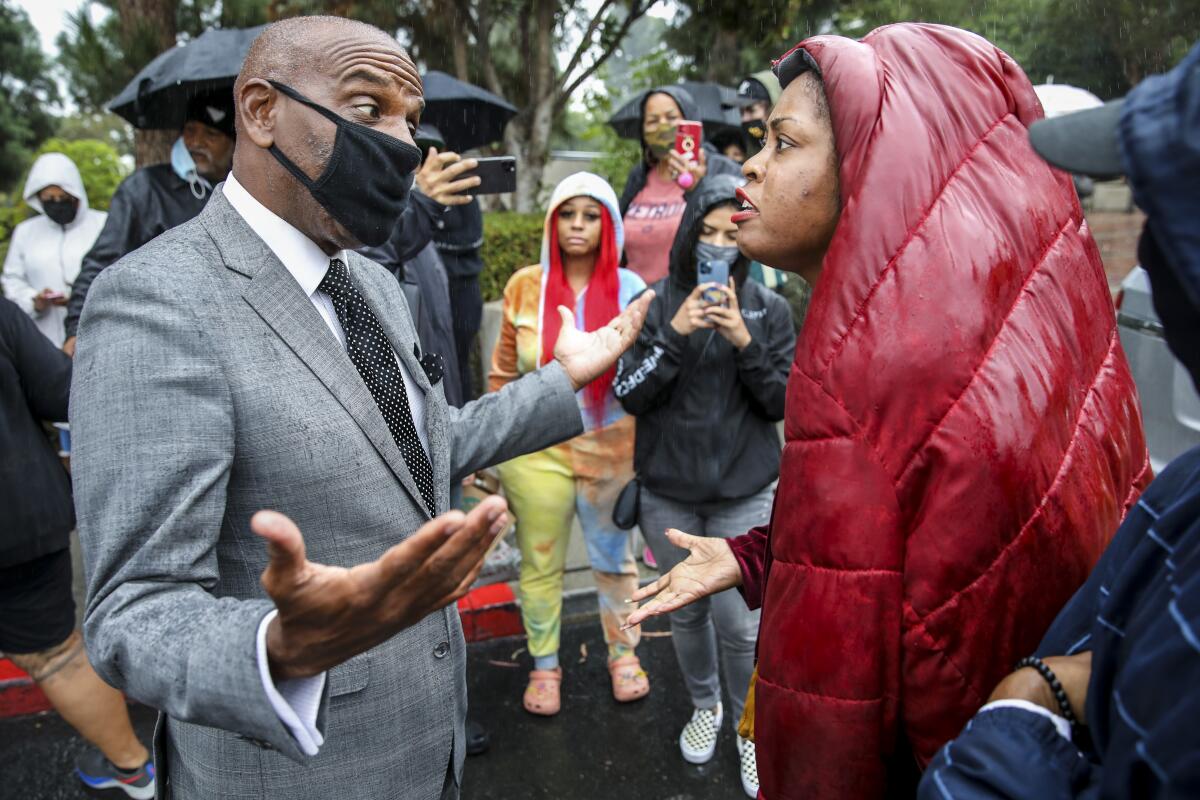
(1125, 651)
(653, 201)
(707, 385)
(157, 198)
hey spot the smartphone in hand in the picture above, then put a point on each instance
(713, 272)
(497, 175)
(689, 138)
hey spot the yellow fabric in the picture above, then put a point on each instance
(746, 723)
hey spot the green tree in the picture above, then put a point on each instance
(1106, 46)
(727, 41)
(534, 53)
(104, 126)
(101, 58)
(27, 92)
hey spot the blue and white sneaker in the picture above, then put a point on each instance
(100, 775)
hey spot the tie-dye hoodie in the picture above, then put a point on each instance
(519, 349)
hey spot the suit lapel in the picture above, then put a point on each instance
(276, 296)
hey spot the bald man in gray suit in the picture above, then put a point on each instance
(249, 360)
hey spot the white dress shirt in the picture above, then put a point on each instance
(297, 701)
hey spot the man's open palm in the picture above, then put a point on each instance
(710, 568)
(588, 355)
(328, 614)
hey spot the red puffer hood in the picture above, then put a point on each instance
(963, 434)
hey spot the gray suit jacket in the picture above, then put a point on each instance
(207, 387)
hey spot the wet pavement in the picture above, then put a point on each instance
(596, 749)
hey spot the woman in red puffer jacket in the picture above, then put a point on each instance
(962, 431)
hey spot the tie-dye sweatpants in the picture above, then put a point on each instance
(546, 491)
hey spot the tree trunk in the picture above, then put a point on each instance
(147, 29)
(152, 146)
(528, 137)
(723, 66)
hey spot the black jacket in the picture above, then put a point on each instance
(458, 238)
(423, 279)
(36, 513)
(706, 412)
(148, 202)
(717, 163)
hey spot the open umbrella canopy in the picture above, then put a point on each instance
(466, 115)
(1061, 98)
(157, 97)
(717, 106)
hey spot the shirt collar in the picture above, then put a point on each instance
(299, 254)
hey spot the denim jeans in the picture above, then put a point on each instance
(720, 623)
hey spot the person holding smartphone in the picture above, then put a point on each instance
(706, 380)
(47, 250)
(657, 188)
(582, 477)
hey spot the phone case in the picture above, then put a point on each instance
(689, 137)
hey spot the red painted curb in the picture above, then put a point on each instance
(19, 695)
(488, 612)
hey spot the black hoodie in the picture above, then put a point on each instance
(706, 412)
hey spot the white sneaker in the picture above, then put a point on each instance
(698, 741)
(749, 766)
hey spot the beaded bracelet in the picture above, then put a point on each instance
(1060, 694)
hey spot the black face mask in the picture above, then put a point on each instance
(365, 184)
(61, 211)
(756, 133)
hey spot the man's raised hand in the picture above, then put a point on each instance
(710, 568)
(440, 178)
(587, 355)
(328, 614)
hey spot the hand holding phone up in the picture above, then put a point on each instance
(444, 178)
(727, 318)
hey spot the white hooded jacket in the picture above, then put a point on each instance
(45, 255)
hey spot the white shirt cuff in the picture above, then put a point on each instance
(1060, 723)
(296, 701)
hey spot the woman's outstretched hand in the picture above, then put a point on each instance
(710, 568)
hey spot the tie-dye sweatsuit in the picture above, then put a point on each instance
(582, 477)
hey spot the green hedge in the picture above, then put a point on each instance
(510, 241)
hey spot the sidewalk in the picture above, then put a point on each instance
(594, 750)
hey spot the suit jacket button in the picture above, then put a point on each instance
(442, 650)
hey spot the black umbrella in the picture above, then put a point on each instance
(466, 115)
(158, 96)
(716, 105)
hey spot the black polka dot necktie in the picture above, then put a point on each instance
(372, 354)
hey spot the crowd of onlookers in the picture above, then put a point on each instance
(959, 528)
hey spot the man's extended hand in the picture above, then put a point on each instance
(710, 568)
(440, 178)
(587, 356)
(328, 614)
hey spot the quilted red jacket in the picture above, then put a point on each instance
(962, 431)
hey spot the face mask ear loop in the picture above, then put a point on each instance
(198, 185)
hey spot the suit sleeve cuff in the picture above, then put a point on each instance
(1060, 723)
(295, 701)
